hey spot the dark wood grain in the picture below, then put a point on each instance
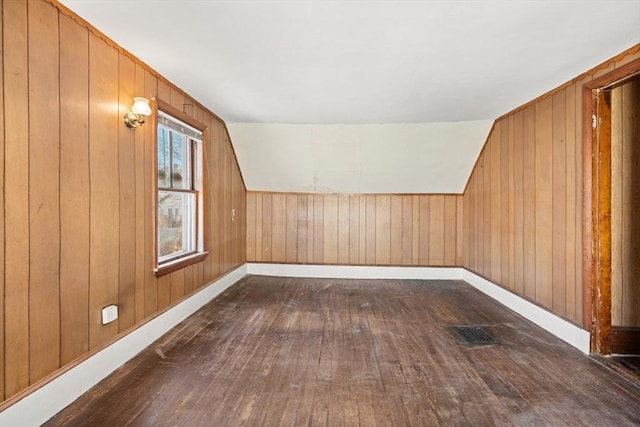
(287, 351)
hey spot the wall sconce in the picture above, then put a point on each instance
(139, 111)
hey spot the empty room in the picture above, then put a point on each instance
(320, 213)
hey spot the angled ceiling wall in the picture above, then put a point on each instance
(385, 158)
(301, 84)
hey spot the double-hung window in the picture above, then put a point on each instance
(179, 193)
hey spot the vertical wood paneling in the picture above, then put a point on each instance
(396, 230)
(310, 227)
(572, 226)
(330, 229)
(164, 91)
(77, 199)
(141, 219)
(559, 202)
(126, 168)
(467, 235)
(259, 228)
(424, 231)
(318, 228)
(104, 201)
(449, 227)
(44, 191)
(407, 229)
(471, 213)
(543, 201)
(223, 212)
(279, 227)
(370, 233)
(529, 210)
(495, 198)
(479, 214)
(460, 229)
(539, 184)
(177, 101)
(362, 232)
(303, 227)
(344, 214)
(177, 285)
(415, 230)
(354, 230)
(164, 291)
(16, 190)
(505, 176)
(188, 280)
(488, 221)
(436, 230)
(511, 205)
(292, 228)
(150, 280)
(209, 135)
(251, 225)
(518, 202)
(383, 230)
(216, 139)
(74, 190)
(266, 227)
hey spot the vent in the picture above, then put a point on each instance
(473, 335)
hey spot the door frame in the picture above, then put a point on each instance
(597, 206)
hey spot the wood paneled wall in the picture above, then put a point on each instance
(381, 229)
(625, 204)
(523, 210)
(77, 201)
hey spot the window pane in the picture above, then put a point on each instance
(181, 161)
(163, 157)
(176, 224)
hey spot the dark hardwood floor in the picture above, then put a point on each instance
(328, 352)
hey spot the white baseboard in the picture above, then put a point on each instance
(561, 328)
(39, 406)
(355, 271)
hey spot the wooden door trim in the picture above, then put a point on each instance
(597, 205)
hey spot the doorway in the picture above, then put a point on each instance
(615, 199)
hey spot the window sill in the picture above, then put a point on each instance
(180, 263)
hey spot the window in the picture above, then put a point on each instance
(179, 219)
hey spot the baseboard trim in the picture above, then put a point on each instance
(355, 271)
(561, 328)
(39, 406)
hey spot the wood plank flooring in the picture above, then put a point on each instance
(331, 352)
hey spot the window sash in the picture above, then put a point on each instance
(177, 224)
(170, 120)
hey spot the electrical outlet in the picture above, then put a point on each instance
(109, 314)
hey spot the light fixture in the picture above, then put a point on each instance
(139, 111)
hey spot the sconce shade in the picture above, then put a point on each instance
(141, 106)
(139, 111)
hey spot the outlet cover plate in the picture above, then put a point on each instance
(109, 314)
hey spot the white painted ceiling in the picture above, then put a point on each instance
(356, 63)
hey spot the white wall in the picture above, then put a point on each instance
(386, 158)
